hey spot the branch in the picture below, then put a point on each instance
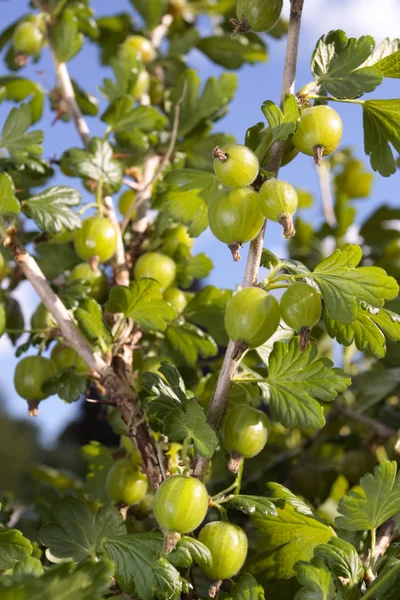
(145, 189)
(386, 533)
(324, 176)
(381, 430)
(121, 272)
(219, 400)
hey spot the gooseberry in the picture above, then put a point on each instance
(301, 309)
(354, 181)
(234, 217)
(62, 237)
(278, 202)
(156, 266)
(244, 432)
(174, 238)
(141, 85)
(97, 237)
(27, 38)
(356, 463)
(319, 132)
(156, 91)
(180, 504)
(176, 297)
(64, 357)
(252, 316)
(30, 374)
(96, 279)
(228, 546)
(126, 203)
(137, 44)
(42, 318)
(235, 165)
(126, 483)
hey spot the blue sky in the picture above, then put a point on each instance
(255, 85)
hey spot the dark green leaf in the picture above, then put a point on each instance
(13, 547)
(317, 581)
(189, 191)
(188, 550)
(343, 559)
(189, 421)
(199, 151)
(141, 568)
(386, 587)
(77, 533)
(163, 394)
(126, 71)
(191, 267)
(186, 342)
(336, 66)
(381, 128)
(96, 163)
(196, 109)
(19, 88)
(343, 285)
(181, 43)
(207, 309)
(56, 259)
(99, 461)
(121, 115)
(90, 318)
(51, 209)
(251, 505)
(297, 382)
(150, 11)
(87, 102)
(142, 302)
(14, 137)
(67, 384)
(9, 204)
(66, 40)
(232, 52)
(246, 588)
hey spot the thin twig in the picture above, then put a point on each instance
(121, 272)
(324, 176)
(219, 400)
(383, 431)
(385, 535)
(141, 196)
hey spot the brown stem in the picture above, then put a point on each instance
(385, 534)
(235, 461)
(219, 401)
(234, 248)
(318, 154)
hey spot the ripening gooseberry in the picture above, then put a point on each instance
(95, 277)
(319, 132)
(156, 266)
(176, 297)
(228, 546)
(301, 309)
(126, 203)
(138, 44)
(27, 38)
(126, 483)
(64, 357)
(244, 432)
(278, 202)
(30, 374)
(235, 165)
(257, 15)
(97, 237)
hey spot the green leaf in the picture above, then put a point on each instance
(378, 500)
(51, 209)
(90, 318)
(9, 204)
(67, 383)
(121, 115)
(182, 42)
(199, 151)
(87, 102)
(87, 581)
(191, 267)
(3, 317)
(19, 88)
(233, 52)
(29, 566)
(186, 342)
(343, 559)
(142, 301)
(14, 137)
(386, 58)
(66, 40)
(390, 65)
(336, 65)
(189, 421)
(96, 163)
(207, 309)
(343, 285)
(99, 461)
(188, 194)
(246, 588)
(281, 126)
(164, 394)
(126, 71)
(141, 568)
(367, 331)
(13, 547)
(277, 548)
(296, 383)
(386, 587)
(188, 550)
(61, 258)
(211, 104)
(151, 12)
(318, 582)
(381, 128)
(77, 533)
(251, 505)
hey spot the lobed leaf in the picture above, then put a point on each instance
(189, 421)
(381, 128)
(13, 547)
(51, 209)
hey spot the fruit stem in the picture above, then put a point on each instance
(220, 155)
(234, 248)
(171, 538)
(318, 154)
(331, 99)
(370, 570)
(287, 223)
(304, 337)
